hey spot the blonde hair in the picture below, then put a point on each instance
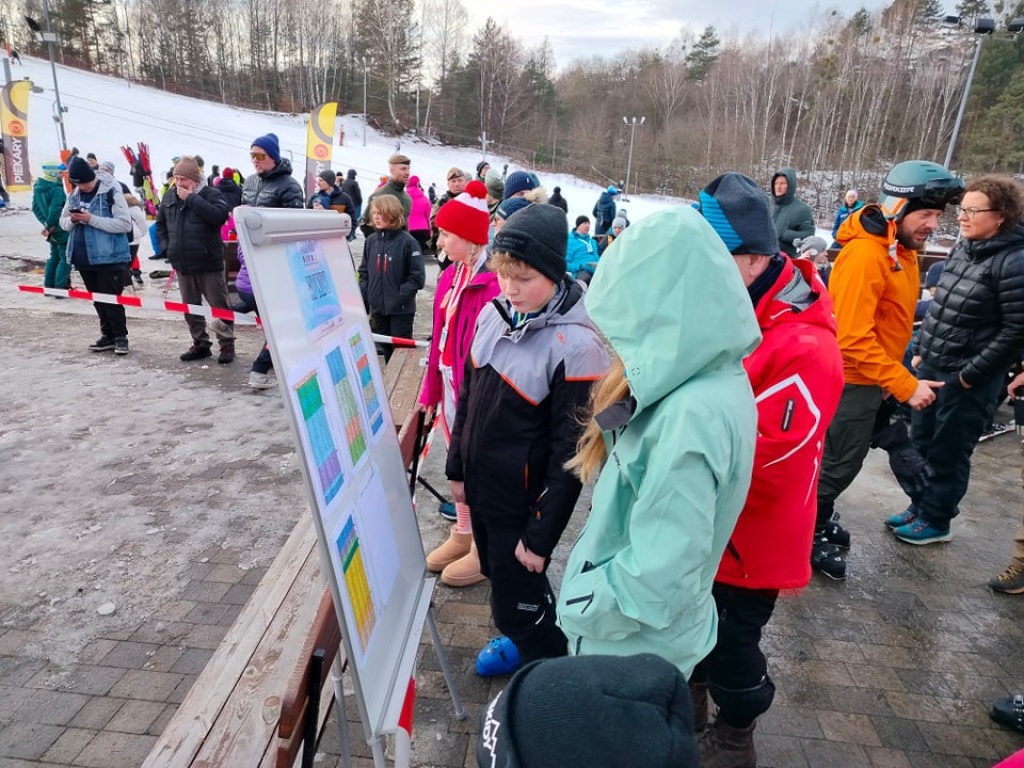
(390, 209)
(591, 451)
(505, 264)
(131, 200)
(536, 195)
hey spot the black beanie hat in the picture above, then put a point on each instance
(329, 176)
(741, 213)
(597, 711)
(537, 236)
(79, 171)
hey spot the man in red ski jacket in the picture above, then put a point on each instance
(796, 373)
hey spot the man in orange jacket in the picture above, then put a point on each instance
(875, 285)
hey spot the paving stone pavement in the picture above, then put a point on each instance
(892, 668)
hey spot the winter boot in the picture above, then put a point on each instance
(725, 746)
(1009, 712)
(195, 352)
(227, 352)
(464, 571)
(699, 698)
(834, 533)
(457, 547)
(826, 558)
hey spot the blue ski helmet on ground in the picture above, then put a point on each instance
(918, 184)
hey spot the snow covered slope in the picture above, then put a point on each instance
(106, 112)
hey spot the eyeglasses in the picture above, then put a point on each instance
(258, 156)
(970, 213)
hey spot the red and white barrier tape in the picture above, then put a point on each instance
(182, 308)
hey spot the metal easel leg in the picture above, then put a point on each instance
(339, 701)
(442, 658)
(377, 750)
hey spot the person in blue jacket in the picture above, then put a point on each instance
(850, 204)
(582, 253)
(96, 217)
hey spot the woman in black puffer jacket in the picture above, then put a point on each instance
(972, 334)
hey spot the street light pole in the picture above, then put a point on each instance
(367, 63)
(963, 103)
(629, 163)
(49, 38)
(983, 27)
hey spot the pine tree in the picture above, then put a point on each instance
(970, 10)
(859, 24)
(999, 143)
(385, 30)
(704, 54)
(928, 11)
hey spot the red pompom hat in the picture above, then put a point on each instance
(467, 215)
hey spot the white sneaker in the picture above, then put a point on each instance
(221, 328)
(262, 380)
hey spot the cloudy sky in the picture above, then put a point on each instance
(583, 28)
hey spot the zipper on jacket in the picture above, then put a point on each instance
(739, 560)
(588, 599)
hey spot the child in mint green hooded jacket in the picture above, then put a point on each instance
(678, 428)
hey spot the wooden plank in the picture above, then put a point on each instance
(404, 396)
(247, 723)
(392, 370)
(323, 634)
(270, 758)
(191, 724)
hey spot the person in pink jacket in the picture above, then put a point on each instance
(419, 216)
(463, 290)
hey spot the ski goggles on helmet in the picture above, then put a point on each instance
(932, 194)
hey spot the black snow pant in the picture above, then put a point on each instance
(847, 442)
(113, 323)
(522, 603)
(945, 434)
(736, 671)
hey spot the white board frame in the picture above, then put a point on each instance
(380, 671)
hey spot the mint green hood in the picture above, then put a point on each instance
(670, 300)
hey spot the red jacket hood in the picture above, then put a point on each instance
(798, 295)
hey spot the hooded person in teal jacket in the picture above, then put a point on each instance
(48, 198)
(677, 422)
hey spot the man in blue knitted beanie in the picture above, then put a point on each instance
(272, 186)
(796, 373)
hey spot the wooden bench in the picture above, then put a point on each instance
(233, 712)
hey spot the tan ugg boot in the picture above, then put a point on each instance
(457, 546)
(464, 571)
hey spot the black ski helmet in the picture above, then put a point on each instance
(929, 183)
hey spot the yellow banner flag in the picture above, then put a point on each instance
(319, 135)
(14, 126)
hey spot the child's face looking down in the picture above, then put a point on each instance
(526, 289)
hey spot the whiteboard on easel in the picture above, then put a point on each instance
(324, 358)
